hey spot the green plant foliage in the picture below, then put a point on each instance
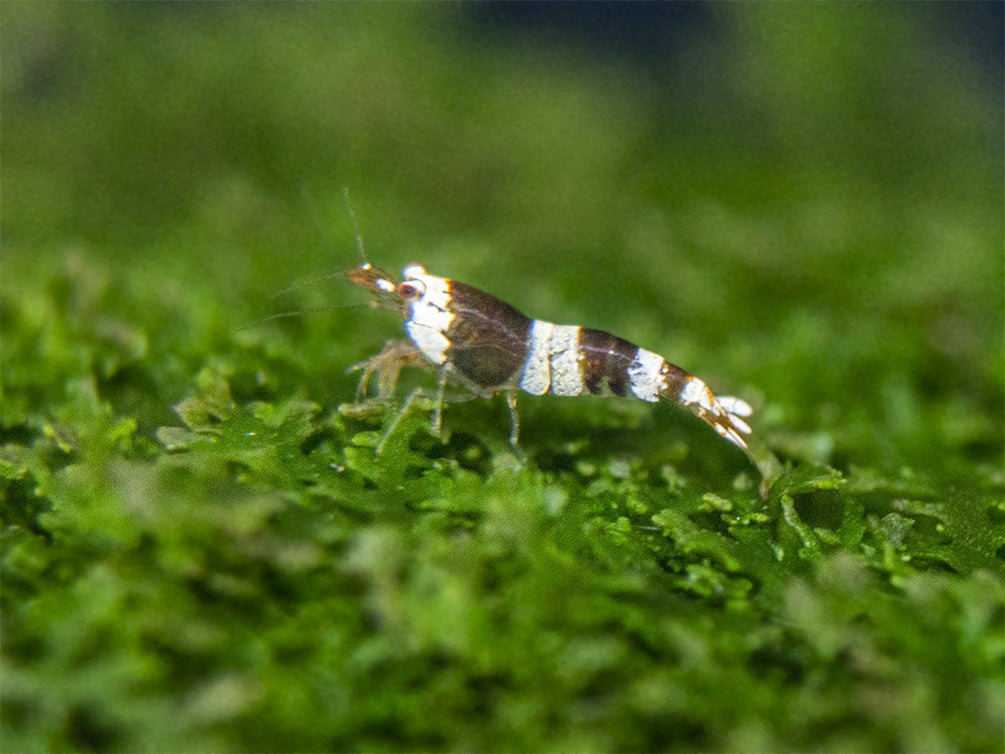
(201, 549)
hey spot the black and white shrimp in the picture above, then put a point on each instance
(475, 340)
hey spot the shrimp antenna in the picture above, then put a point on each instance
(355, 224)
(329, 276)
(299, 313)
(305, 283)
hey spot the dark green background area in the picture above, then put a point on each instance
(800, 203)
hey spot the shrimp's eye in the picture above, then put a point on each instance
(410, 291)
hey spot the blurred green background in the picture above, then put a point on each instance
(801, 203)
